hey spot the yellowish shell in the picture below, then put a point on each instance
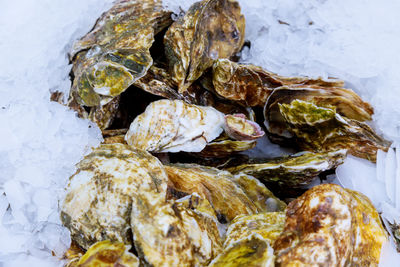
(173, 125)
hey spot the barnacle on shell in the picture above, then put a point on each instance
(210, 29)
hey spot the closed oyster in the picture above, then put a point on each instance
(251, 251)
(238, 127)
(294, 171)
(251, 85)
(347, 104)
(173, 125)
(322, 129)
(211, 29)
(225, 196)
(261, 196)
(99, 195)
(267, 224)
(116, 52)
(103, 116)
(330, 226)
(108, 254)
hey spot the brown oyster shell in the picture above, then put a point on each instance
(210, 29)
(294, 171)
(251, 85)
(106, 253)
(238, 127)
(103, 116)
(347, 104)
(100, 194)
(322, 129)
(116, 53)
(173, 125)
(330, 226)
(226, 197)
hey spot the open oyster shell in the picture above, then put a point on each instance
(251, 85)
(347, 104)
(99, 195)
(107, 254)
(330, 226)
(294, 171)
(116, 53)
(173, 125)
(322, 129)
(210, 29)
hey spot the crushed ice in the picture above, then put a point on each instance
(41, 141)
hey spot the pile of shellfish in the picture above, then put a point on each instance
(172, 185)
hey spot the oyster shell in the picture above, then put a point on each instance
(294, 171)
(108, 254)
(347, 104)
(330, 226)
(322, 129)
(267, 224)
(238, 127)
(116, 53)
(251, 85)
(261, 196)
(211, 29)
(103, 116)
(251, 251)
(100, 194)
(225, 196)
(173, 125)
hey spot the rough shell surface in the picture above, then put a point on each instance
(103, 116)
(251, 251)
(294, 171)
(267, 224)
(347, 103)
(210, 29)
(322, 129)
(225, 196)
(99, 195)
(251, 85)
(108, 254)
(173, 126)
(116, 52)
(330, 226)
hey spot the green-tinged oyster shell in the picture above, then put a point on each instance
(173, 125)
(218, 187)
(99, 195)
(267, 224)
(251, 85)
(106, 254)
(330, 226)
(347, 104)
(322, 129)
(251, 251)
(261, 196)
(294, 171)
(211, 29)
(116, 52)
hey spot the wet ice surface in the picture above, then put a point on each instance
(41, 141)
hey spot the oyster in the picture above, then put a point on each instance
(263, 198)
(108, 254)
(330, 226)
(267, 224)
(225, 196)
(103, 115)
(99, 196)
(239, 128)
(322, 129)
(294, 171)
(347, 104)
(174, 235)
(116, 52)
(251, 85)
(173, 125)
(211, 29)
(251, 251)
